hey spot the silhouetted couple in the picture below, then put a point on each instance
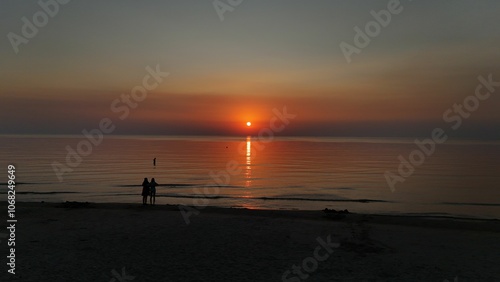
(149, 189)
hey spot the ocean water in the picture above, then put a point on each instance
(461, 178)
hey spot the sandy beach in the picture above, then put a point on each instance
(131, 242)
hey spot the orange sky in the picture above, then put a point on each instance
(223, 74)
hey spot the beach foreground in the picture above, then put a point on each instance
(131, 242)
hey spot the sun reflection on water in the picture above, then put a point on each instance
(248, 171)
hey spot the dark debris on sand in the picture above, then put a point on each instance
(74, 205)
(334, 214)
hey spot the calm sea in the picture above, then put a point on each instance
(459, 178)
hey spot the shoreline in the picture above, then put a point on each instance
(284, 210)
(472, 210)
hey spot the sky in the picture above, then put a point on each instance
(246, 63)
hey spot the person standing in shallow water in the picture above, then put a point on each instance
(145, 191)
(154, 162)
(152, 191)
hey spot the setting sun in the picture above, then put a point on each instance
(249, 123)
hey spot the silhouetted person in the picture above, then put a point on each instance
(145, 191)
(152, 191)
(154, 162)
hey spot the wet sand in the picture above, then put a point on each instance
(131, 242)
